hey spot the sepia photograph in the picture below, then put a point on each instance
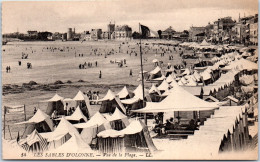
(130, 80)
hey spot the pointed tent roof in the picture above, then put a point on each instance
(62, 129)
(154, 89)
(38, 117)
(55, 98)
(77, 115)
(191, 82)
(133, 128)
(109, 96)
(196, 75)
(156, 70)
(178, 100)
(123, 93)
(79, 96)
(96, 120)
(187, 72)
(139, 92)
(74, 142)
(204, 43)
(169, 79)
(174, 83)
(163, 86)
(117, 115)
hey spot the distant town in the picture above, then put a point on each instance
(223, 30)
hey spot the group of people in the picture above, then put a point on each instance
(24, 56)
(92, 95)
(173, 124)
(85, 65)
(8, 69)
(60, 49)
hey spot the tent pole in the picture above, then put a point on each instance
(141, 57)
(25, 116)
(10, 132)
(4, 120)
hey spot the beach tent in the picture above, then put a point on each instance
(163, 86)
(137, 101)
(134, 138)
(226, 130)
(155, 73)
(187, 72)
(64, 131)
(205, 43)
(84, 103)
(34, 143)
(169, 79)
(110, 102)
(77, 116)
(55, 103)
(96, 124)
(138, 92)
(74, 145)
(117, 120)
(178, 100)
(40, 122)
(155, 94)
(154, 89)
(124, 93)
(174, 83)
(169, 71)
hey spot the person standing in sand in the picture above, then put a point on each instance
(100, 74)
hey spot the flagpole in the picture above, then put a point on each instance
(141, 57)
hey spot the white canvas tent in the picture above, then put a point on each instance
(178, 100)
(74, 145)
(83, 100)
(62, 129)
(114, 140)
(110, 102)
(155, 73)
(55, 103)
(204, 43)
(154, 89)
(39, 117)
(163, 86)
(124, 93)
(96, 120)
(77, 115)
(96, 124)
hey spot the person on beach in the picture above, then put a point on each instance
(131, 72)
(7, 69)
(100, 74)
(35, 110)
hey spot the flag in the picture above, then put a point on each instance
(145, 31)
(43, 142)
(26, 147)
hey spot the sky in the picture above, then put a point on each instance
(58, 16)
